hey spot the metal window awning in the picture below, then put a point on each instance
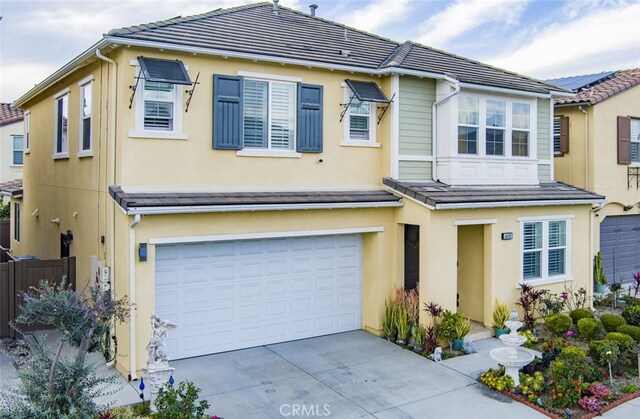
(366, 91)
(163, 71)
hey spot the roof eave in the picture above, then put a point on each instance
(509, 204)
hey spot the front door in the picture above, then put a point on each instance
(411, 256)
(471, 271)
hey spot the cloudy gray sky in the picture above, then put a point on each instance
(539, 38)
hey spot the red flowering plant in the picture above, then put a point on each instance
(554, 345)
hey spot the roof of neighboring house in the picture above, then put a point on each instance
(575, 83)
(163, 202)
(254, 30)
(442, 196)
(604, 88)
(11, 187)
(9, 115)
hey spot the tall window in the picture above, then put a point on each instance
(18, 149)
(86, 93)
(635, 140)
(520, 122)
(27, 130)
(544, 249)
(556, 135)
(159, 99)
(269, 114)
(468, 125)
(496, 124)
(16, 222)
(62, 125)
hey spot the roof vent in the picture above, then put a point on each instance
(275, 7)
(345, 52)
(312, 9)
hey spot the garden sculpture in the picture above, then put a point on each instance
(156, 348)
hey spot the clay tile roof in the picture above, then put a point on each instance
(603, 90)
(11, 187)
(9, 115)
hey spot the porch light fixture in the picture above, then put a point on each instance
(142, 252)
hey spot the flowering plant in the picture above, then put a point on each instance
(599, 390)
(592, 404)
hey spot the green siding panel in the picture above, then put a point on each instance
(416, 98)
(544, 136)
(544, 172)
(414, 170)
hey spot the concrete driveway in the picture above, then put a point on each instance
(347, 375)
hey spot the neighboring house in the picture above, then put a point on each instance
(312, 168)
(11, 142)
(597, 147)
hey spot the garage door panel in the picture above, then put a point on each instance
(231, 295)
(620, 246)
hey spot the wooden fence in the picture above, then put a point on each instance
(17, 276)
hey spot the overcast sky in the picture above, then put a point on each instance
(539, 38)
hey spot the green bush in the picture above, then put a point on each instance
(571, 366)
(620, 339)
(572, 352)
(589, 328)
(632, 314)
(594, 347)
(633, 331)
(629, 389)
(179, 403)
(611, 322)
(558, 324)
(496, 379)
(580, 313)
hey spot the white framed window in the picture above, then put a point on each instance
(269, 118)
(85, 145)
(61, 125)
(545, 250)
(27, 132)
(18, 149)
(158, 111)
(16, 221)
(360, 121)
(635, 140)
(495, 127)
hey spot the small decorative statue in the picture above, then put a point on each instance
(513, 316)
(156, 348)
(437, 354)
(468, 348)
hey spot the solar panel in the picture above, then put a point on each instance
(165, 71)
(576, 83)
(367, 91)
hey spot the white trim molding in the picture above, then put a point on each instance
(265, 152)
(264, 235)
(269, 76)
(475, 222)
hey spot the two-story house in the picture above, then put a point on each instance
(258, 174)
(11, 142)
(597, 147)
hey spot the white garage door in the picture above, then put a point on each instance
(238, 294)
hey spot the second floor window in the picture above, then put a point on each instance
(62, 124)
(159, 99)
(269, 114)
(18, 149)
(496, 125)
(85, 116)
(27, 130)
(635, 140)
(468, 125)
(521, 125)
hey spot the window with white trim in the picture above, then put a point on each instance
(61, 136)
(635, 140)
(159, 104)
(16, 222)
(360, 120)
(269, 118)
(86, 94)
(545, 249)
(18, 156)
(27, 130)
(495, 127)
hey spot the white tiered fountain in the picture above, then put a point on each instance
(513, 357)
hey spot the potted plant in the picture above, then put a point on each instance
(419, 333)
(447, 327)
(388, 322)
(599, 277)
(462, 329)
(500, 315)
(402, 324)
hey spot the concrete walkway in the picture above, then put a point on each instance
(347, 375)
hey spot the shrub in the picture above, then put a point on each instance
(572, 352)
(622, 340)
(500, 315)
(496, 379)
(611, 322)
(590, 404)
(531, 386)
(179, 403)
(529, 300)
(590, 328)
(633, 331)
(580, 313)
(447, 326)
(632, 314)
(629, 389)
(558, 324)
(550, 304)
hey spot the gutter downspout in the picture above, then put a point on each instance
(586, 147)
(132, 298)
(111, 148)
(434, 123)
